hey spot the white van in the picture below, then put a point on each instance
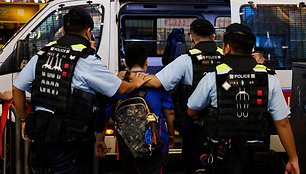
(278, 25)
(115, 24)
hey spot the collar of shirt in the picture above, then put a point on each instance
(72, 39)
(206, 46)
(240, 63)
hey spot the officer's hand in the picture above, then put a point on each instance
(7, 95)
(292, 167)
(140, 78)
(101, 149)
(171, 141)
(121, 74)
(23, 133)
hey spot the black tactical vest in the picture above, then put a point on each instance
(205, 57)
(53, 76)
(203, 62)
(242, 104)
(76, 115)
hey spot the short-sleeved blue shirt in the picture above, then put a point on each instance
(90, 75)
(180, 70)
(206, 94)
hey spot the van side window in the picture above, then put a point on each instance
(280, 30)
(221, 22)
(153, 31)
(50, 29)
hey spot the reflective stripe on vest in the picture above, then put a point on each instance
(51, 43)
(224, 68)
(220, 50)
(78, 47)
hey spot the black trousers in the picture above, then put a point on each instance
(151, 164)
(194, 138)
(64, 158)
(244, 159)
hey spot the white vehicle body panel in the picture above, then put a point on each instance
(109, 46)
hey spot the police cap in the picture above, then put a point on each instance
(83, 14)
(202, 27)
(242, 31)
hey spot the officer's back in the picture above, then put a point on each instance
(240, 92)
(65, 79)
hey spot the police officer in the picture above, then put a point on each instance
(65, 79)
(258, 55)
(186, 71)
(240, 92)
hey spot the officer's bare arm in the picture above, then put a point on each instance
(152, 83)
(286, 136)
(19, 102)
(169, 115)
(192, 113)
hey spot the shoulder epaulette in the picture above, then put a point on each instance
(220, 50)
(268, 70)
(271, 71)
(86, 52)
(194, 51)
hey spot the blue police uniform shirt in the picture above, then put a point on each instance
(179, 70)
(157, 99)
(90, 75)
(205, 94)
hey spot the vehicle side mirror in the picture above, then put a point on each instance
(17, 60)
(22, 54)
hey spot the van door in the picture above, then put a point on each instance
(150, 23)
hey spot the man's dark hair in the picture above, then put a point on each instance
(135, 54)
(240, 37)
(77, 20)
(202, 27)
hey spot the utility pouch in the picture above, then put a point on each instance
(88, 108)
(54, 129)
(36, 125)
(211, 123)
(76, 130)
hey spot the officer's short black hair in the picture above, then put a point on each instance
(135, 54)
(259, 50)
(240, 37)
(77, 19)
(202, 27)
